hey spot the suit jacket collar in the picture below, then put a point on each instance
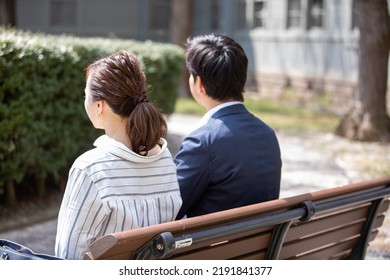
(238, 108)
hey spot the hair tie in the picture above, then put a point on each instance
(140, 98)
(142, 151)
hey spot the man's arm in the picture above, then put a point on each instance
(194, 171)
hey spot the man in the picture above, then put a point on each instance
(233, 158)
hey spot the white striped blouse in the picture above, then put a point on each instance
(111, 188)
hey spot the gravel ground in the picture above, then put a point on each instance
(310, 162)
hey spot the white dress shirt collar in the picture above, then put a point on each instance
(204, 120)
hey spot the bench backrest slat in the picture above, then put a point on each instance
(341, 251)
(231, 249)
(318, 242)
(326, 223)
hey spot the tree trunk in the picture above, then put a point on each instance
(41, 186)
(181, 29)
(62, 183)
(11, 194)
(368, 119)
(7, 13)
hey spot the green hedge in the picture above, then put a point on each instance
(43, 125)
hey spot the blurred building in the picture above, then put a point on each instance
(309, 46)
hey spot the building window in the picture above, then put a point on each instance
(214, 14)
(160, 15)
(259, 13)
(63, 13)
(355, 15)
(294, 14)
(316, 14)
(241, 14)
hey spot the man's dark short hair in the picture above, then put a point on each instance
(221, 63)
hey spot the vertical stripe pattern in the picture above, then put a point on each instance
(112, 189)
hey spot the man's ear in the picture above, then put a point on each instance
(200, 86)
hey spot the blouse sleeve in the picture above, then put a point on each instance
(81, 216)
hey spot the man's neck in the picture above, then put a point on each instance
(211, 103)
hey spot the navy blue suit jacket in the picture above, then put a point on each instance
(234, 160)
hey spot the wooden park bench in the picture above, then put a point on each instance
(335, 223)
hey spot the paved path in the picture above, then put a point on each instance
(304, 170)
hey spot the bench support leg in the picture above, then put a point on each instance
(359, 251)
(277, 239)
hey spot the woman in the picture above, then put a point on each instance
(129, 180)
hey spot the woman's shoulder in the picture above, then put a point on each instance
(89, 158)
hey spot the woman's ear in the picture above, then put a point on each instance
(99, 107)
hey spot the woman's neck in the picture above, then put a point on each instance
(115, 128)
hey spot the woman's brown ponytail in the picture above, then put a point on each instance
(145, 127)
